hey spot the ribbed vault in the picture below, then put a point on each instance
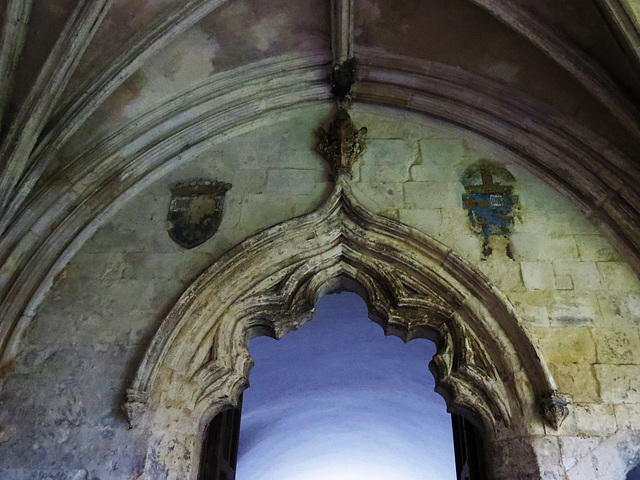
(75, 203)
(486, 366)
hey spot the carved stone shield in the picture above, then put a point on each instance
(195, 211)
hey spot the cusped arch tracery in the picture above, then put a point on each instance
(486, 367)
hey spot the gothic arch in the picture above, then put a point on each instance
(486, 366)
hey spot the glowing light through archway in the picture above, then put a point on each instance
(339, 401)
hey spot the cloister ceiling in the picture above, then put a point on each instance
(93, 89)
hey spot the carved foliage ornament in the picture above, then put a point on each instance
(342, 144)
(195, 211)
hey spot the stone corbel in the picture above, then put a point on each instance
(135, 406)
(555, 408)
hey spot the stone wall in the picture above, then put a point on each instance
(577, 298)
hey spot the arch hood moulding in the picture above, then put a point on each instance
(486, 366)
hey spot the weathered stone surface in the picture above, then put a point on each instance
(104, 308)
(432, 194)
(619, 383)
(584, 275)
(579, 379)
(595, 419)
(576, 448)
(440, 160)
(538, 275)
(574, 309)
(617, 276)
(617, 345)
(564, 345)
(594, 248)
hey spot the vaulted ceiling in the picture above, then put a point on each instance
(96, 96)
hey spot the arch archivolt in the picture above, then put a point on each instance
(486, 367)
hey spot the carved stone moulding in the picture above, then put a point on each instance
(412, 284)
(198, 361)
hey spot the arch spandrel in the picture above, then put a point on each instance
(486, 367)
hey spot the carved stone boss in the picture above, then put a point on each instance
(342, 144)
(195, 211)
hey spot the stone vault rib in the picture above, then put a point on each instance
(14, 34)
(70, 115)
(27, 126)
(583, 68)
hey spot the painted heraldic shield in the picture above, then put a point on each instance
(195, 211)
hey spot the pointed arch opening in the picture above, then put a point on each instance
(486, 367)
(336, 399)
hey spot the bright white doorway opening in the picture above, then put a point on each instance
(337, 400)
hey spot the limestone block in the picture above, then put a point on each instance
(514, 458)
(627, 415)
(390, 151)
(503, 272)
(575, 448)
(610, 460)
(379, 197)
(617, 345)
(123, 313)
(577, 380)
(148, 266)
(63, 361)
(592, 419)
(385, 152)
(468, 245)
(565, 221)
(377, 173)
(596, 248)
(618, 276)
(263, 210)
(532, 306)
(289, 181)
(564, 282)
(619, 383)
(399, 124)
(543, 247)
(169, 451)
(232, 210)
(433, 194)
(130, 238)
(96, 265)
(428, 221)
(545, 210)
(584, 275)
(574, 309)
(455, 219)
(566, 345)
(441, 160)
(538, 275)
(549, 457)
(620, 308)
